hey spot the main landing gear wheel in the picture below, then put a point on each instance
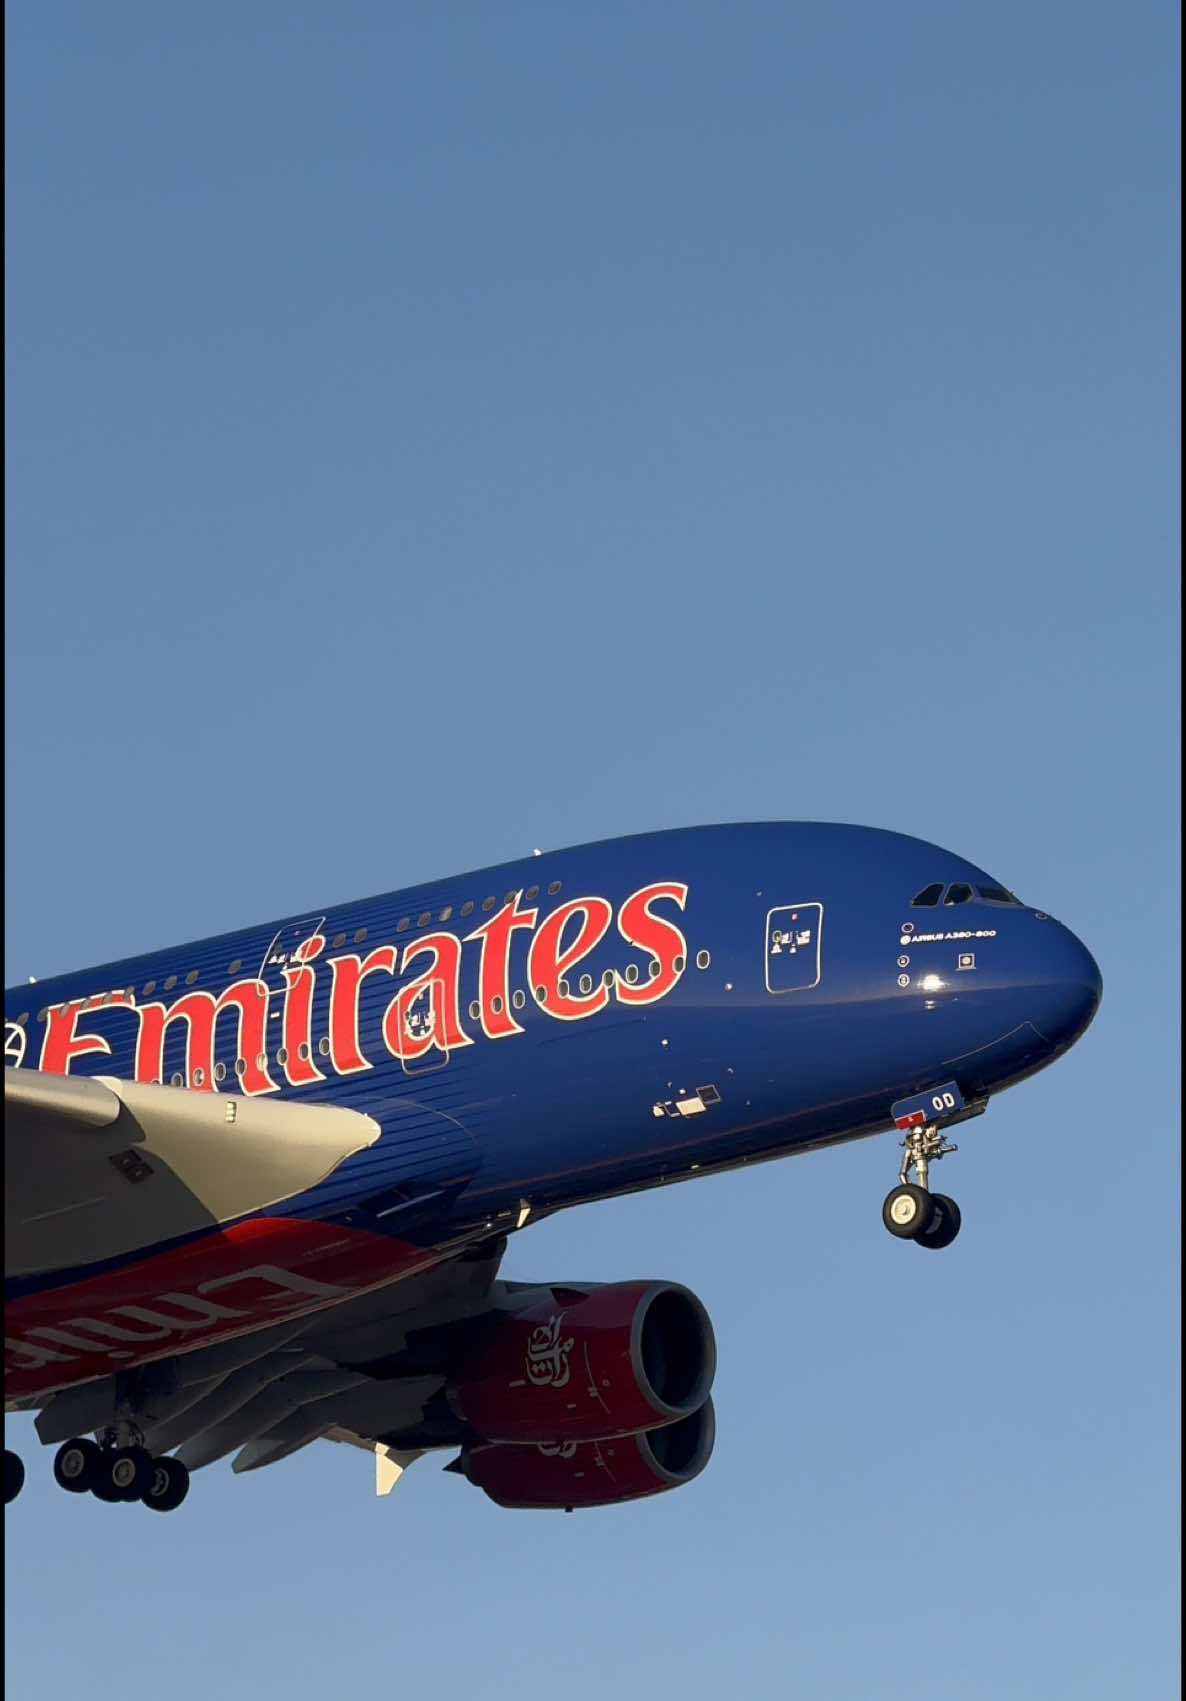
(127, 1473)
(169, 1485)
(14, 1475)
(907, 1211)
(114, 1473)
(943, 1226)
(77, 1466)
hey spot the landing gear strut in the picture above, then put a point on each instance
(120, 1467)
(911, 1211)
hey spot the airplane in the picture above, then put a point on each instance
(259, 1187)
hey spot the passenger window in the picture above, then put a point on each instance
(957, 894)
(928, 896)
(998, 895)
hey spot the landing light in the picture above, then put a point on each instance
(931, 983)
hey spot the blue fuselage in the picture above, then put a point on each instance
(707, 997)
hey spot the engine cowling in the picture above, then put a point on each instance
(588, 1364)
(594, 1473)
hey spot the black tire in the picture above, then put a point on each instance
(169, 1485)
(129, 1471)
(907, 1211)
(77, 1465)
(943, 1226)
(14, 1475)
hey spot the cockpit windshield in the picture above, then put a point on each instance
(959, 892)
(928, 896)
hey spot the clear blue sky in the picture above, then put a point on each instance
(436, 431)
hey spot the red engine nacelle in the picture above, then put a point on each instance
(594, 1473)
(586, 1364)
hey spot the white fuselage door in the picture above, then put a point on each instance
(793, 933)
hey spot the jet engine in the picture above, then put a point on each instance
(587, 1364)
(593, 1473)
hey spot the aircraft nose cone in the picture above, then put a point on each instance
(1071, 988)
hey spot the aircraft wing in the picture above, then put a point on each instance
(351, 1374)
(96, 1167)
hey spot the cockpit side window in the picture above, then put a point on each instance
(997, 895)
(957, 894)
(929, 896)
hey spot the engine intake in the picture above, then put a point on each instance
(588, 1364)
(594, 1473)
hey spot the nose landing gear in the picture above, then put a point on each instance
(911, 1211)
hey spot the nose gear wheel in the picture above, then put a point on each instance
(943, 1226)
(907, 1211)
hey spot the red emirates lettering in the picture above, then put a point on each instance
(550, 960)
(661, 939)
(200, 1011)
(494, 970)
(298, 1014)
(427, 1012)
(345, 1051)
(62, 1044)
